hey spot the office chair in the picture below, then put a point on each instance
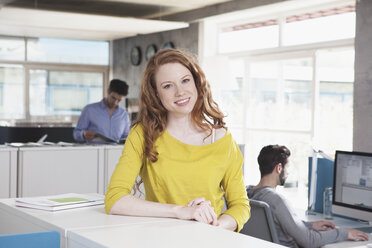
(261, 224)
(50, 239)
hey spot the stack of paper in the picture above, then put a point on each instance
(60, 202)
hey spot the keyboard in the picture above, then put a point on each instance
(366, 229)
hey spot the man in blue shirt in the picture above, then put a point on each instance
(105, 119)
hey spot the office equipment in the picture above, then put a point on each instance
(261, 223)
(48, 239)
(41, 140)
(352, 187)
(323, 178)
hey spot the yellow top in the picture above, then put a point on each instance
(183, 172)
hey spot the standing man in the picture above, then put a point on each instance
(104, 118)
(292, 231)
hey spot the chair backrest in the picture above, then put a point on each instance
(50, 239)
(261, 224)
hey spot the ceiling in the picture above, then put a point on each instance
(92, 19)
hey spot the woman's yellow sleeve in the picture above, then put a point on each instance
(233, 185)
(127, 169)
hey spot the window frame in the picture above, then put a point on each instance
(27, 66)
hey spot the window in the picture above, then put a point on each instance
(68, 51)
(295, 89)
(11, 91)
(63, 92)
(280, 94)
(250, 36)
(319, 26)
(336, 78)
(51, 80)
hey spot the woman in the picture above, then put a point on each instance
(180, 147)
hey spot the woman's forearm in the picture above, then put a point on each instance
(227, 222)
(131, 205)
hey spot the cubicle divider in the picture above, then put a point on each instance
(112, 156)
(49, 170)
(8, 172)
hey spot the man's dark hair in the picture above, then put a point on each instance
(119, 86)
(270, 156)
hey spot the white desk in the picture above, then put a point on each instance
(177, 233)
(19, 220)
(92, 227)
(338, 221)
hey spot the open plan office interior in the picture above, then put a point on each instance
(290, 72)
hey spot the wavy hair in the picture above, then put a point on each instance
(152, 114)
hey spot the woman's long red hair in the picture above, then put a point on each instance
(153, 116)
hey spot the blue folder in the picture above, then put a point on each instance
(324, 174)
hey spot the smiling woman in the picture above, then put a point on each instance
(180, 147)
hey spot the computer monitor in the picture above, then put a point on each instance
(352, 185)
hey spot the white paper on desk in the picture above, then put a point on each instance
(59, 200)
(61, 207)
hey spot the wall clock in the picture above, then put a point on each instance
(150, 50)
(168, 44)
(135, 55)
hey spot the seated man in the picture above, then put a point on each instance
(105, 121)
(292, 232)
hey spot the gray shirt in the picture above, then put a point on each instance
(292, 231)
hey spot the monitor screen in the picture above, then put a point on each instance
(352, 185)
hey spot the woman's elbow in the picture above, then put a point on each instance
(119, 207)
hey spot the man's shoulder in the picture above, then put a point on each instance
(93, 105)
(265, 194)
